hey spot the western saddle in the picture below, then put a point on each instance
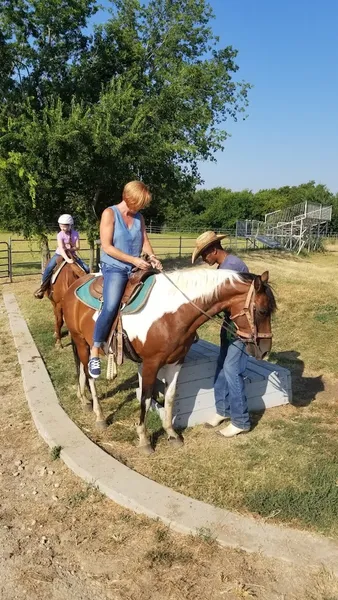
(114, 344)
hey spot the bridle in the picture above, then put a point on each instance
(248, 311)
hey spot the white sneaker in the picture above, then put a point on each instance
(231, 430)
(215, 420)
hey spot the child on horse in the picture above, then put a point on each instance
(68, 244)
(123, 238)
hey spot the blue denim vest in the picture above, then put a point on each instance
(127, 240)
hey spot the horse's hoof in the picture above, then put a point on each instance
(88, 408)
(147, 450)
(175, 442)
(101, 425)
(58, 344)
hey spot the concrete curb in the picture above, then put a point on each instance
(143, 495)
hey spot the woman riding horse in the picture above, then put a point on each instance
(123, 237)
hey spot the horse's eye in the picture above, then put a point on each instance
(262, 312)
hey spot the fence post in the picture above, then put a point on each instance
(180, 248)
(10, 269)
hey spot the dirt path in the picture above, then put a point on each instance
(62, 540)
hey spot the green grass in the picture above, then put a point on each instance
(55, 452)
(286, 469)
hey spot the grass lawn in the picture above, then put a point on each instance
(286, 469)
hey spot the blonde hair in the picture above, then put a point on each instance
(136, 195)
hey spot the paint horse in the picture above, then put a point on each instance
(69, 273)
(162, 332)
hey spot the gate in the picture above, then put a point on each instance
(5, 270)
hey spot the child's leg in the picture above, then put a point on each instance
(49, 268)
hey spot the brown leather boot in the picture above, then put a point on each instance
(40, 292)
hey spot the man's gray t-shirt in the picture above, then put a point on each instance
(235, 264)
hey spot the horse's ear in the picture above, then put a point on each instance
(265, 277)
(258, 283)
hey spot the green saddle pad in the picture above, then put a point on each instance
(137, 301)
(83, 294)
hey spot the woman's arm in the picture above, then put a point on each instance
(106, 236)
(148, 249)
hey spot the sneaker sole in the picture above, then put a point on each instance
(94, 376)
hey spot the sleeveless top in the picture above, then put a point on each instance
(127, 240)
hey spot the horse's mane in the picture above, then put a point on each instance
(199, 282)
(204, 283)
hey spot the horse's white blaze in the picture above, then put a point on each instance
(166, 298)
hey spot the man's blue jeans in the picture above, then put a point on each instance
(229, 384)
(52, 263)
(114, 284)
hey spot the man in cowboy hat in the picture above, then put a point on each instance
(232, 360)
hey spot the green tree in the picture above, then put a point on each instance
(146, 98)
(43, 40)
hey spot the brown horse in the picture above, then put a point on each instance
(162, 332)
(69, 273)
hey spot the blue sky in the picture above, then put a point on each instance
(288, 50)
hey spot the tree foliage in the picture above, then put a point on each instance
(146, 96)
(221, 208)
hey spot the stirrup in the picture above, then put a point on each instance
(111, 366)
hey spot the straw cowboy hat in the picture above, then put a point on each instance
(203, 241)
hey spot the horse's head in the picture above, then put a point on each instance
(251, 313)
(76, 269)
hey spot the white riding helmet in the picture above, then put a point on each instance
(66, 220)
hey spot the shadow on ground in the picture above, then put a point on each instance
(305, 389)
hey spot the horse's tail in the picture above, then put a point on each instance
(76, 357)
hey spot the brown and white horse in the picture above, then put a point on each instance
(69, 273)
(162, 332)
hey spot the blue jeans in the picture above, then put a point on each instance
(52, 263)
(229, 383)
(114, 284)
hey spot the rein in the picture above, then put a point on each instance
(248, 312)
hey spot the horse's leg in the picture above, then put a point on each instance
(86, 404)
(171, 375)
(100, 420)
(58, 324)
(149, 372)
(81, 353)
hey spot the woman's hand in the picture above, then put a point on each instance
(141, 264)
(155, 263)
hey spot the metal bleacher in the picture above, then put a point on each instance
(292, 228)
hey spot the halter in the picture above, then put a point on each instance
(249, 312)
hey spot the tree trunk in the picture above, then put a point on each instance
(45, 252)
